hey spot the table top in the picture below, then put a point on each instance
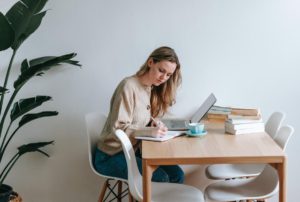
(215, 147)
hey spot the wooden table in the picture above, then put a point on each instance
(216, 147)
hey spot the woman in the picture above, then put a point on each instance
(149, 93)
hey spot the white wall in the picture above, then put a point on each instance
(246, 52)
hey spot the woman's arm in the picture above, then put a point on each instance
(123, 106)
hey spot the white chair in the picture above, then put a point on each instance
(229, 171)
(283, 136)
(164, 192)
(263, 186)
(94, 124)
(274, 123)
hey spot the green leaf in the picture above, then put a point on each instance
(24, 105)
(54, 60)
(34, 5)
(34, 147)
(24, 65)
(25, 18)
(3, 90)
(7, 34)
(30, 117)
(34, 23)
(38, 65)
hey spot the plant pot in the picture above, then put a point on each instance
(5, 192)
(15, 197)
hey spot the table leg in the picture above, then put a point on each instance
(147, 175)
(281, 169)
(119, 190)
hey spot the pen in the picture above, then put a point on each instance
(154, 121)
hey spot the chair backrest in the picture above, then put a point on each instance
(283, 136)
(94, 124)
(267, 182)
(134, 176)
(274, 122)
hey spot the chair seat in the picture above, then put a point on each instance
(263, 186)
(171, 192)
(228, 171)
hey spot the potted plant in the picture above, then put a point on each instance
(21, 20)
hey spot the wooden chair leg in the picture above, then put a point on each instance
(119, 190)
(102, 193)
(130, 197)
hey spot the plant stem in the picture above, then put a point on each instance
(4, 148)
(7, 108)
(8, 167)
(4, 138)
(6, 78)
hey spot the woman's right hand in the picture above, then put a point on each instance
(155, 132)
(159, 131)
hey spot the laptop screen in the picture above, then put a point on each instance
(207, 104)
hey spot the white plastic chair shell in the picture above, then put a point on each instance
(164, 192)
(263, 186)
(228, 171)
(94, 124)
(274, 123)
(284, 135)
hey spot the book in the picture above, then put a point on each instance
(241, 121)
(235, 110)
(231, 126)
(216, 116)
(220, 108)
(215, 120)
(233, 116)
(218, 111)
(168, 136)
(245, 131)
(245, 112)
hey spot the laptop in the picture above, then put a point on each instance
(181, 124)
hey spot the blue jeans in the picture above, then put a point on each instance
(116, 166)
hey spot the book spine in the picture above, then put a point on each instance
(244, 131)
(245, 112)
(217, 116)
(218, 112)
(219, 108)
(241, 121)
(232, 116)
(244, 126)
(215, 120)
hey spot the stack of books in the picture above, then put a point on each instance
(218, 113)
(238, 120)
(244, 126)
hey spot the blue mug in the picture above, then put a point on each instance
(196, 128)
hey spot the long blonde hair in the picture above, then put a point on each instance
(163, 96)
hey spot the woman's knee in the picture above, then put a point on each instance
(160, 178)
(179, 177)
(159, 175)
(175, 173)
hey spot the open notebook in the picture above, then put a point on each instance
(169, 135)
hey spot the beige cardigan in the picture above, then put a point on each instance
(129, 111)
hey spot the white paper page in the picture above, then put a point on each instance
(169, 135)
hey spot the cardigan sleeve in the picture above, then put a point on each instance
(123, 106)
